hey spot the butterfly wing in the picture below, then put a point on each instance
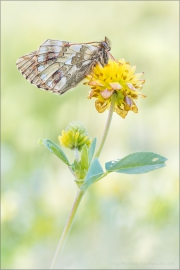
(58, 66)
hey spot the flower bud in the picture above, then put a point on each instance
(74, 136)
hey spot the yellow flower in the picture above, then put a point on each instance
(74, 136)
(116, 78)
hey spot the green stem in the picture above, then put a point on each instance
(76, 154)
(67, 227)
(107, 125)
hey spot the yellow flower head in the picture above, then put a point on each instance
(116, 78)
(74, 136)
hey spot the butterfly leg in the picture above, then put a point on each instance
(91, 69)
(112, 57)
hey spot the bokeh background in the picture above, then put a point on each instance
(124, 221)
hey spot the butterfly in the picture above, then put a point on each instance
(58, 66)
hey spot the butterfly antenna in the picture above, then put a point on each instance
(70, 44)
(112, 57)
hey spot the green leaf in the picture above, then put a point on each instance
(94, 173)
(77, 165)
(84, 157)
(92, 149)
(137, 163)
(79, 172)
(55, 149)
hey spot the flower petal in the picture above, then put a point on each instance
(130, 86)
(101, 106)
(106, 93)
(115, 85)
(95, 83)
(128, 100)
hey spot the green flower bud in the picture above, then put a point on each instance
(74, 136)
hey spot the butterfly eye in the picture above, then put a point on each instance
(105, 46)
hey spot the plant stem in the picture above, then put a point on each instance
(76, 154)
(107, 125)
(67, 227)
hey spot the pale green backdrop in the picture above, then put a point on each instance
(124, 221)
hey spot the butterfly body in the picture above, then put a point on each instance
(58, 66)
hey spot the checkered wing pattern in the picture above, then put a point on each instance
(58, 66)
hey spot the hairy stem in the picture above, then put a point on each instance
(67, 227)
(111, 109)
(76, 154)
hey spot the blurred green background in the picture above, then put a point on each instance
(124, 221)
